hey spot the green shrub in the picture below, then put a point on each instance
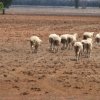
(1, 6)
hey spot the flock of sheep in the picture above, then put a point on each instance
(68, 41)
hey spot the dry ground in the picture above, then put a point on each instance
(46, 76)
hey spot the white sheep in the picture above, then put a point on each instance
(54, 41)
(35, 41)
(71, 39)
(64, 41)
(87, 46)
(97, 38)
(78, 48)
(88, 35)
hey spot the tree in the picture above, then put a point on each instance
(99, 3)
(76, 3)
(6, 4)
(1, 6)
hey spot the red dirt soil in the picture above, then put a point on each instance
(46, 76)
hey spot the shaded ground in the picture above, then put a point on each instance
(46, 76)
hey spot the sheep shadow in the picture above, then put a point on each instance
(51, 51)
(73, 59)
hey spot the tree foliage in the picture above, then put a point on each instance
(6, 3)
(1, 6)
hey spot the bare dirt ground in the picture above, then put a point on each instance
(46, 76)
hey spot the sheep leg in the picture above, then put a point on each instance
(36, 48)
(90, 52)
(32, 49)
(72, 45)
(56, 48)
(63, 41)
(87, 53)
(69, 48)
(51, 47)
(76, 54)
(31, 46)
(65, 46)
(62, 48)
(80, 55)
(77, 57)
(83, 47)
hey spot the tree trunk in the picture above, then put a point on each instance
(3, 11)
(76, 3)
(99, 4)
